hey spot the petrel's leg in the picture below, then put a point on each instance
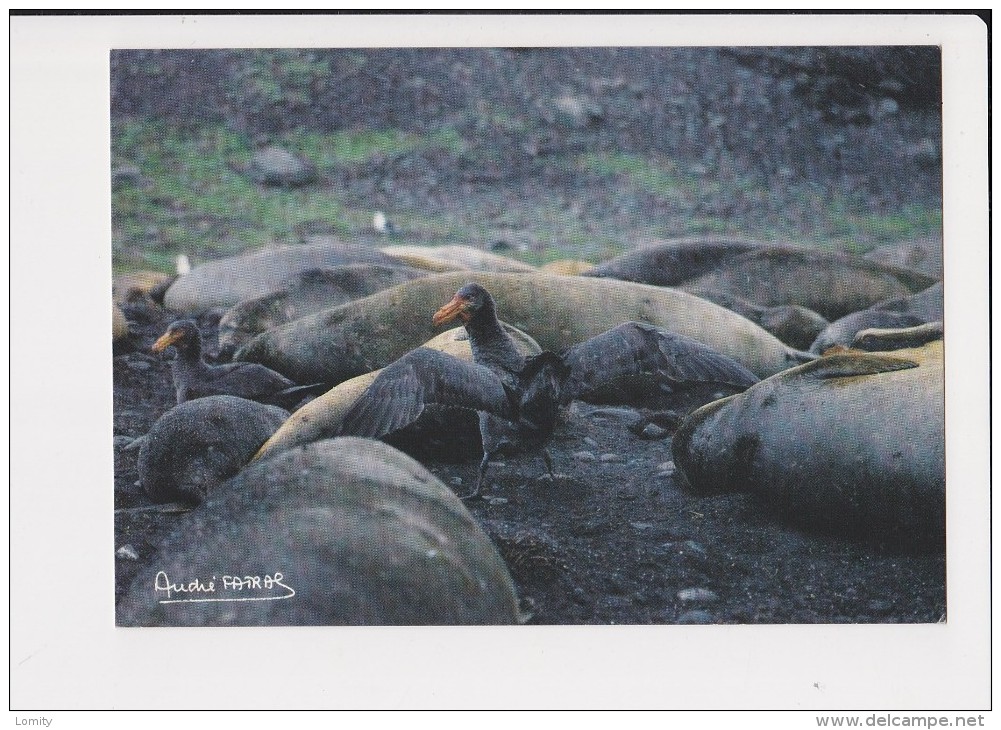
(479, 477)
(548, 458)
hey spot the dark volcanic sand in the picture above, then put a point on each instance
(612, 540)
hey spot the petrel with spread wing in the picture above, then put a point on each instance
(518, 398)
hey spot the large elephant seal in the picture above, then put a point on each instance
(567, 267)
(852, 442)
(226, 282)
(831, 284)
(200, 443)
(345, 531)
(675, 261)
(448, 433)
(307, 292)
(453, 258)
(557, 311)
(922, 254)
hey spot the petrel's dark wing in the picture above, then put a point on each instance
(422, 377)
(667, 361)
(242, 379)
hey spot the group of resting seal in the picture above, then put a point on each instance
(778, 422)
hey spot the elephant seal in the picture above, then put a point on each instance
(223, 283)
(454, 258)
(794, 325)
(200, 443)
(673, 262)
(557, 311)
(882, 340)
(831, 284)
(852, 442)
(307, 292)
(928, 304)
(137, 285)
(567, 267)
(843, 331)
(341, 532)
(923, 255)
(119, 325)
(444, 434)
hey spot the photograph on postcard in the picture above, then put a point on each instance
(523, 335)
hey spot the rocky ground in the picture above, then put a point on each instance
(613, 539)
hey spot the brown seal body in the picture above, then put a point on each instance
(345, 531)
(852, 442)
(198, 444)
(556, 311)
(831, 284)
(223, 283)
(306, 293)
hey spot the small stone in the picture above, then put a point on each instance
(696, 617)
(127, 552)
(693, 548)
(584, 456)
(653, 432)
(697, 595)
(455, 481)
(138, 365)
(641, 525)
(495, 501)
(667, 466)
(610, 458)
(590, 442)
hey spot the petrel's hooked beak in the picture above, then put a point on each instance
(166, 340)
(457, 307)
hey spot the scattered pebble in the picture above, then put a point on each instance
(455, 481)
(494, 501)
(584, 456)
(694, 547)
(696, 617)
(653, 432)
(667, 466)
(641, 525)
(610, 458)
(138, 365)
(590, 442)
(128, 552)
(697, 595)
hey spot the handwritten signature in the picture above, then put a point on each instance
(199, 591)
